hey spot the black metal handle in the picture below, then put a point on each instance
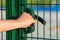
(32, 28)
(40, 19)
(35, 16)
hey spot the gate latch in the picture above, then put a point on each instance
(32, 28)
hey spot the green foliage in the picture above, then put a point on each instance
(39, 1)
(33, 2)
(3, 3)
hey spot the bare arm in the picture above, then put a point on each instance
(6, 25)
(23, 22)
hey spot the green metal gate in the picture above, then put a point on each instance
(15, 8)
(14, 11)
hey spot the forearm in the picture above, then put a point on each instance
(23, 21)
(6, 25)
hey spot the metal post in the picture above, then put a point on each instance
(15, 8)
(13, 11)
(10, 14)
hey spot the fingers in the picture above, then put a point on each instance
(27, 19)
(24, 13)
(29, 24)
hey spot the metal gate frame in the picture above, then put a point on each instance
(13, 11)
(14, 8)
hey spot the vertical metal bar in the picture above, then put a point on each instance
(50, 19)
(8, 16)
(13, 15)
(37, 20)
(31, 12)
(57, 20)
(21, 33)
(21, 5)
(43, 18)
(32, 28)
(17, 14)
(4, 17)
(1, 19)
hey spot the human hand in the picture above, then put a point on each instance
(27, 19)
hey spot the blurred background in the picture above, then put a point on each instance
(35, 2)
(40, 2)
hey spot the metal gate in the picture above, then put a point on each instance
(46, 13)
